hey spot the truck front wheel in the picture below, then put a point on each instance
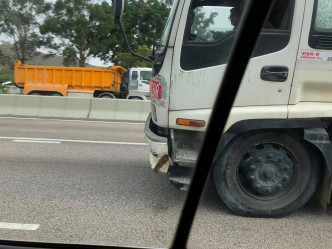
(267, 174)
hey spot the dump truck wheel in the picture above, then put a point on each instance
(107, 96)
(35, 94)
(56, 94)
(267, 174)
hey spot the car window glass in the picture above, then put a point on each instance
(96, 164)
(134, 75)
(210, 23)
(211, 29)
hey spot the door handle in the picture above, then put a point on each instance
(274, 73)
(140, 85)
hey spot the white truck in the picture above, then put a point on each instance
(276, 148)
(138, 80)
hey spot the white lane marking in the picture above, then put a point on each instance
(74, 120)
(18, 226)
(37, 141)
(71, 141)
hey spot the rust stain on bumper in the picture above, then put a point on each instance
(162, 164)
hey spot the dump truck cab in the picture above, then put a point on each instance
(139, 83)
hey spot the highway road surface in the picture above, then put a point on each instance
(90, 182)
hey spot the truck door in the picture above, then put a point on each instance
(311, 94)
(144, 81)
(201, 55)
(133, 80)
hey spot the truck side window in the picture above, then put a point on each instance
(134, 75)
(211, 30)
(321, 27)
(210, 23)
(133, 81)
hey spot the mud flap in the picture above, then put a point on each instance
(323, 193)
(180, 176)
(320, 139)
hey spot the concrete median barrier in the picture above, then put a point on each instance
(66, 107)
(52, 106)
(118, 109)
(7, 103)
(27, 105)
(77, 107)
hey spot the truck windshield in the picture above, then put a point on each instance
(167, 30)
(146, 75)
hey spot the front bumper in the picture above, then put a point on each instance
(158, 146)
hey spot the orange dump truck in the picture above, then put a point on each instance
(64, 81)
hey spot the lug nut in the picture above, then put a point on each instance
(257, 186)
(286, 166)
(253, 166)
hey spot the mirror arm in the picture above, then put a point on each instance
(131, 51)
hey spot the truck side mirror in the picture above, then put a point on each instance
(117, 6)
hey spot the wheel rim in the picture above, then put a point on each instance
(267, 171)
(107, 96)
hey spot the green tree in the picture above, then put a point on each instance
(6, 54)
(127, 60)
(202, 22)
(144, 21)
(18, 21)
(6, 74)
(78, 30)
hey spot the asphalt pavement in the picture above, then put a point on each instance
(91, 183)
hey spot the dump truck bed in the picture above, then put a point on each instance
(74, 79)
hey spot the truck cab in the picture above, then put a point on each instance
(276, 147)
(139, 83)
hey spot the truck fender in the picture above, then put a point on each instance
(320, 139)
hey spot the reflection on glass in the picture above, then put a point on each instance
(323, 20)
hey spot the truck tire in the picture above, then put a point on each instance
(34, 94)
(267, 174)
(107, 96)
(56, 94)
